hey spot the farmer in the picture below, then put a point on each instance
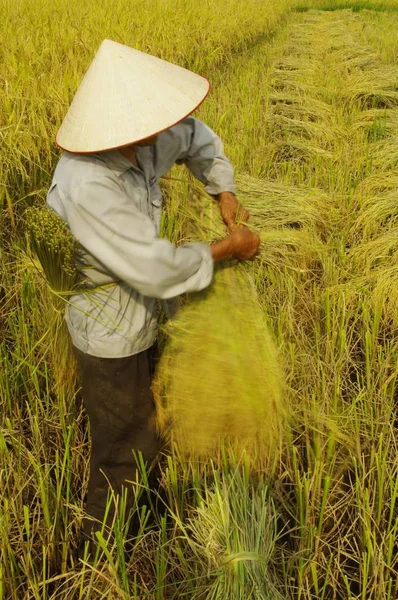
(127, 125)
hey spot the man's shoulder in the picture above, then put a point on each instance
(75, 170)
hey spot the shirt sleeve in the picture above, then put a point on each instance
(108, 225)
(194, 144)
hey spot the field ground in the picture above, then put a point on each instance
(306, 102)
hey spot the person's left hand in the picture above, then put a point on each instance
(231, 210)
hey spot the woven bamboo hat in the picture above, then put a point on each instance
(127, 96)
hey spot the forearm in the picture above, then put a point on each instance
(222, 250)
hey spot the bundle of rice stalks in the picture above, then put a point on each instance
(370, 90)
(219, 376)
(357, 57)
(231, 561)
(377, 184)
(296, 64)
(290, 221)
(289, 81)
(54, 246)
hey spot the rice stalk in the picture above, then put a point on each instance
(376, 214)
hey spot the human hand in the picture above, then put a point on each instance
(245, 243)
(231, 210)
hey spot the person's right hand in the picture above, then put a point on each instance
(244, 243)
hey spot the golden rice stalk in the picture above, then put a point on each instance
(357, 57)
(282, 126)
(377, 184)
(383, 122)
(291, 221)
(289, 82)
(314, 110)
(380, 251)
(377, 213)
(297, 152)
(273, 205)
(372, 89)
(286, 249)
(219, 377)
(385, 293)
(384, 155)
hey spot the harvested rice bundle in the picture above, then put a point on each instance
(289, 82)
(373, 89)
(357, 57)
(219, 376)
(54, 246)
(290, 222)
(377, 184)
(293, 250)
(297, 64)
(235, 561)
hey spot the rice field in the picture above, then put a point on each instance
(305, 98)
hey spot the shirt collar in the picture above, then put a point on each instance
(118, 163)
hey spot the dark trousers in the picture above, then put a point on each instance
(118, 399)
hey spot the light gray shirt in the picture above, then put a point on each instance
(113, 209)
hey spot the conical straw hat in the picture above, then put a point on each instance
(127, 96)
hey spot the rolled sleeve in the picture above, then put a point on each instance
(194, 144)
(110, 227)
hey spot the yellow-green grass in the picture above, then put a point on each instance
(334, 487)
